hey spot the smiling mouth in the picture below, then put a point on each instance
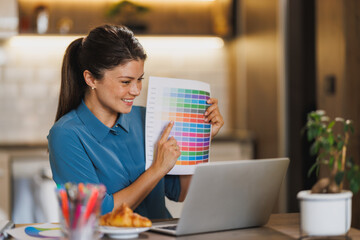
(128, 100)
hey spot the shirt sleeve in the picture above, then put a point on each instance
(70, 163)
(172, 187)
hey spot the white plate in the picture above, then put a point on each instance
(122, 232)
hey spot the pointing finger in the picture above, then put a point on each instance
(166, 132)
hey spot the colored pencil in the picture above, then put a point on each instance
(65, 205)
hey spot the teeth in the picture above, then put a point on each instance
(126, 100)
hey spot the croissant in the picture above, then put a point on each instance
(124, 217)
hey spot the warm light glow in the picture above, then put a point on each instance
(33, 43)
(102, 1)
(181, 42)
(43, 42)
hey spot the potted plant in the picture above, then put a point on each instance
(130, 14)
(325, 210)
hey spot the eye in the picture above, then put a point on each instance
(140, 79)
(125, 82)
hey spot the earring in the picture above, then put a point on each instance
(92, 88)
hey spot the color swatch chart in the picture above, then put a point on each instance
(186, 107)
(184, 102)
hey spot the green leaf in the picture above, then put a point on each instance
(340, 145)
(314, 149)
(120, 7)
(354, 186)
(312, 168)
(312, 133)
(331, 124)
(350, 175)
(351, 128)
(314, 116)
(331, 161)
(317, 170)
(353, 176)
(320, 130)
(339, 163)
(339, 177)
(142, 9)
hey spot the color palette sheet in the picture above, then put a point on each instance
(46, 231)
(184, 102)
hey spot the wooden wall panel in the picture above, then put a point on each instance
(351, 103)
(338, 54)
(330, 45)
(261, 52)
(254, 78)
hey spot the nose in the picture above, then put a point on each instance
(135, 88)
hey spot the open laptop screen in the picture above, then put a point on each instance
(230, 195)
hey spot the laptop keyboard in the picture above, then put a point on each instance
(173, 227)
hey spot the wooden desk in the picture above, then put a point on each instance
(279, 227)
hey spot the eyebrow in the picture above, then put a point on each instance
(142, 75)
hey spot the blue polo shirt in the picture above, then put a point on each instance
(83, 149)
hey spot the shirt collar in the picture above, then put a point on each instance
(95, 126)
(123, 122)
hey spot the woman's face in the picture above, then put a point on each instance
(119, 87)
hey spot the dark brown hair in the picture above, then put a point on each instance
(105, 47)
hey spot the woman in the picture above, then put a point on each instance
(98, 135)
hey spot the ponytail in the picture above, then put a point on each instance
(73, 85)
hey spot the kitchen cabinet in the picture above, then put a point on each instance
(8, 154)
(156, 17)
(8, 18)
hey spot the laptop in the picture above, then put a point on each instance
(228, 195)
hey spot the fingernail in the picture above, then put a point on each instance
(206, 113)
(206, 120)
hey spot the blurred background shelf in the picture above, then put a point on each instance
(143, 17)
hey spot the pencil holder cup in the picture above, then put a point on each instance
(80, 208)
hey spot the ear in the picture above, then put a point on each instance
(89, 79)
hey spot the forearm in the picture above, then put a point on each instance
(136, 192)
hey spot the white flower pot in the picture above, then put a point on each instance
(325, 214)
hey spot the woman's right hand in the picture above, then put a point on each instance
(167, 151)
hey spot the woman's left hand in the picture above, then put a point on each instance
(213, 116)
